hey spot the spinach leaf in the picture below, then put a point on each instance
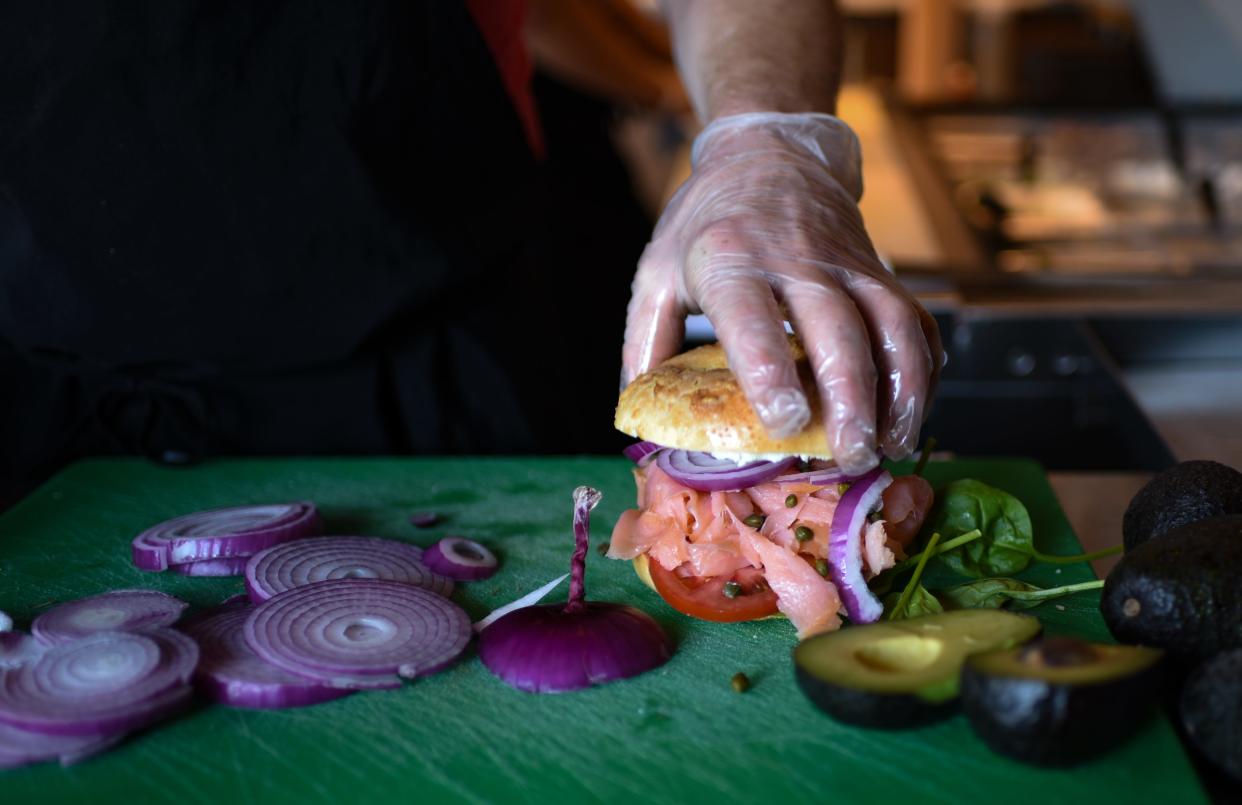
(1006, 546)
(997, 593)
(920, 602)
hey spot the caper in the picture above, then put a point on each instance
(842, 488)
(791, 501)
(732, 589)
(741, 682)
(803, 534)
(754, 520)
(821, 567)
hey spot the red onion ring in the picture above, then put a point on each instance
(212, 568)
(101, 684)
(461, 559)
(116, 611)
(20, 747)
(222, 533)
(641, 452)
(554, 648)
(706, 473)
(845, 545)
(18, 648)
(306, 561)
(231, 673)
(358, 633)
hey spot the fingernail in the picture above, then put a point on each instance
(856, 451)
(783, 412)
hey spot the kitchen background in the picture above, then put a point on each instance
(1060, 182)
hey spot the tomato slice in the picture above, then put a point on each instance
(703, 596)
(907, 500)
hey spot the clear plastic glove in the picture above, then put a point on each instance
(766, 228)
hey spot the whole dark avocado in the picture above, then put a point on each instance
(1211, 710)
(1184, 493)
(1060, 701)
(1180, 591)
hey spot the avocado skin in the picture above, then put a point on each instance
(1211, 711)
(1184, 493)
(888, 711)
(1186, 583)
(1049, 724)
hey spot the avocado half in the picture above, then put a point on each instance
(1211, 710)
(1180, 591)
(1184, 493)
(903, 673)
(1060, 701)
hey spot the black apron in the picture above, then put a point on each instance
(280, 227)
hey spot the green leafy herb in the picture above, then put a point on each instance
(899, 608)
(921, 602)
(1008, 542)
(997, 593)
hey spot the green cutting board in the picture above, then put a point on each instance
(677, 734)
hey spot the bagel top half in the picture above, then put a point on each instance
(692, 401)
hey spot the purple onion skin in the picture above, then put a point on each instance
(547, 649)
(232, 566)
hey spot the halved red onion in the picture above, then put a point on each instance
(231, 673)
(641, 452)
(6, 623)
(706, 473)
(845, 545)
(233, 566)
(223, 533)
(21, 747)
(555, 648)
(424, 519)
(101, 684)
(306, 561)
(461, 559)
(119, 611)
(358, 633)
(18, 648)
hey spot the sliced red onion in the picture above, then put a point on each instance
(528, 600)
(306, 561)
(101, 684)
(641, 452)
(18, 648)
(460, 559)
(21, 747)
(424, 519)
(231, 673)
(358, 633)
(6, 623)
(845, 545)
(223, 533)
(119, 611)
(233, 566)
(555, 648)
(706, 473)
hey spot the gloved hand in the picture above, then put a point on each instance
(767, 227)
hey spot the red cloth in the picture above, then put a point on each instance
(500, 22)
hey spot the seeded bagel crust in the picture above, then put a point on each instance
(692, 401)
